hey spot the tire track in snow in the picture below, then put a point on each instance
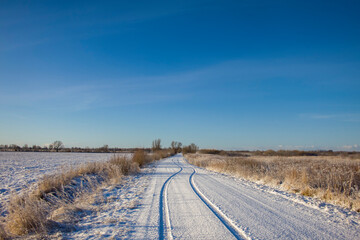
(238, 233)
(164, 209)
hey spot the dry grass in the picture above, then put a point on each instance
(29, 213)
(33, 212)
(3, 234)
(334, 179)
(160, 154)
(141, 158)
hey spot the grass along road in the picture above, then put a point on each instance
(187, 202)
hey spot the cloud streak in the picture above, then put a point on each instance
(157, 88)
(343, 117)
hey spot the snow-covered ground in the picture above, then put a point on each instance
(18, 170)
(187, 202)
(172, 199)
(109, 215)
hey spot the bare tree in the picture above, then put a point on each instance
(156, 144)
(176, 146)
(57, 145)
(105, 148)
(192, 148)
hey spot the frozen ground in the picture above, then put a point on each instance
(18, 170)
(110, 215)
(175, 200)
(186, 202)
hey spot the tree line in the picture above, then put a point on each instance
(175, 146)
(58, 146)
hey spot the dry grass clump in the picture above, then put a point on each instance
(29, 213)
(57, 182)
(141, 158)
(3, 234)
(160, 154)
(119, 166)
(334, 179)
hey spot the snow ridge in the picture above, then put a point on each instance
(238, 233)
(164, 210)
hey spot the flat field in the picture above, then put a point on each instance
(19, 170)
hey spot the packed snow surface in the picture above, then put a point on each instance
(18, 170)
(186, 202)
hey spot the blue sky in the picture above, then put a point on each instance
(222, 74)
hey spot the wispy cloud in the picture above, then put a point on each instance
(344, 117)
(120, 91)
(73, 97)
(351, 147)
(85, 97)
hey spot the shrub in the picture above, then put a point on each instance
(141, 158)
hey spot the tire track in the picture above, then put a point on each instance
(238, 233)
(164, 227)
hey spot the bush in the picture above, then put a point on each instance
(141, 158)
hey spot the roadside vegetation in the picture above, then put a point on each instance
(31, 212)
(330, 176)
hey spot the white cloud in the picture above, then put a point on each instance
(351, 147)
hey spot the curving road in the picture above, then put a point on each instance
(186, 202)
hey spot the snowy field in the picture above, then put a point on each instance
(171, 199)
(19, 170)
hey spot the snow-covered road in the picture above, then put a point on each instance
(186, 202)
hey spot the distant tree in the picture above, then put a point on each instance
(156, 144)
(105, 148)
(37, 148)
(57, 145)
(176, 146)
(192, 148)
(15, 147)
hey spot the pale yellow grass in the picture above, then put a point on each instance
(334, 179)
(29, 213)
(53, 200)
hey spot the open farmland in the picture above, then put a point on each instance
(19, 170)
